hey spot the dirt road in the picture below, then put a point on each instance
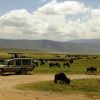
(8, 91)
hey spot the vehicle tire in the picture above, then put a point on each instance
(23, 71)
(1, 72)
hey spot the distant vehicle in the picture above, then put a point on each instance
(17, 65)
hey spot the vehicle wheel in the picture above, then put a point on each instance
(23, 71)
(1, 72)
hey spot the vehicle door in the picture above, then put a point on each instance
(18, 64)
(11, 66)
(27, 64)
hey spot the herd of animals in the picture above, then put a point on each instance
(61, 77)
(53, 63)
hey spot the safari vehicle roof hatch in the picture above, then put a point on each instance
(16, 54)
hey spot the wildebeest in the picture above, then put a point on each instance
(91, 70)
(71, 61)
(54, 65)
(66, 65)
(36, 64)
(42, 63)
(62, 78)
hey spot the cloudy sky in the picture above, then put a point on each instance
(60, 20)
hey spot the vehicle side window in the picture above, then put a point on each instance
(26, 62)
(18, 62)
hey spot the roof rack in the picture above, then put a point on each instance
(16, 54)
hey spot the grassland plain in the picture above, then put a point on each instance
(78, 67)
(9, 92)
(87, 86)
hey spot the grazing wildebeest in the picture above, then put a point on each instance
(57, 64)
(91, 70)
(36, 64)
(71, 61)
(66, 65)
(62, 78)
(42, 63)
(54, 65)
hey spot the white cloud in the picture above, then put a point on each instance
(65, 8)
(43, 0)
(56, 21)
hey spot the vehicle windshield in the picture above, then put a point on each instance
(5, 62)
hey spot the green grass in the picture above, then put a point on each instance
(4, 56)
(87, 86)
(78, 67)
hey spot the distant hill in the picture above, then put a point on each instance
(75, 46)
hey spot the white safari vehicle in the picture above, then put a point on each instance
(17, 65)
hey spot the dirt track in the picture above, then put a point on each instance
(8, 92)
